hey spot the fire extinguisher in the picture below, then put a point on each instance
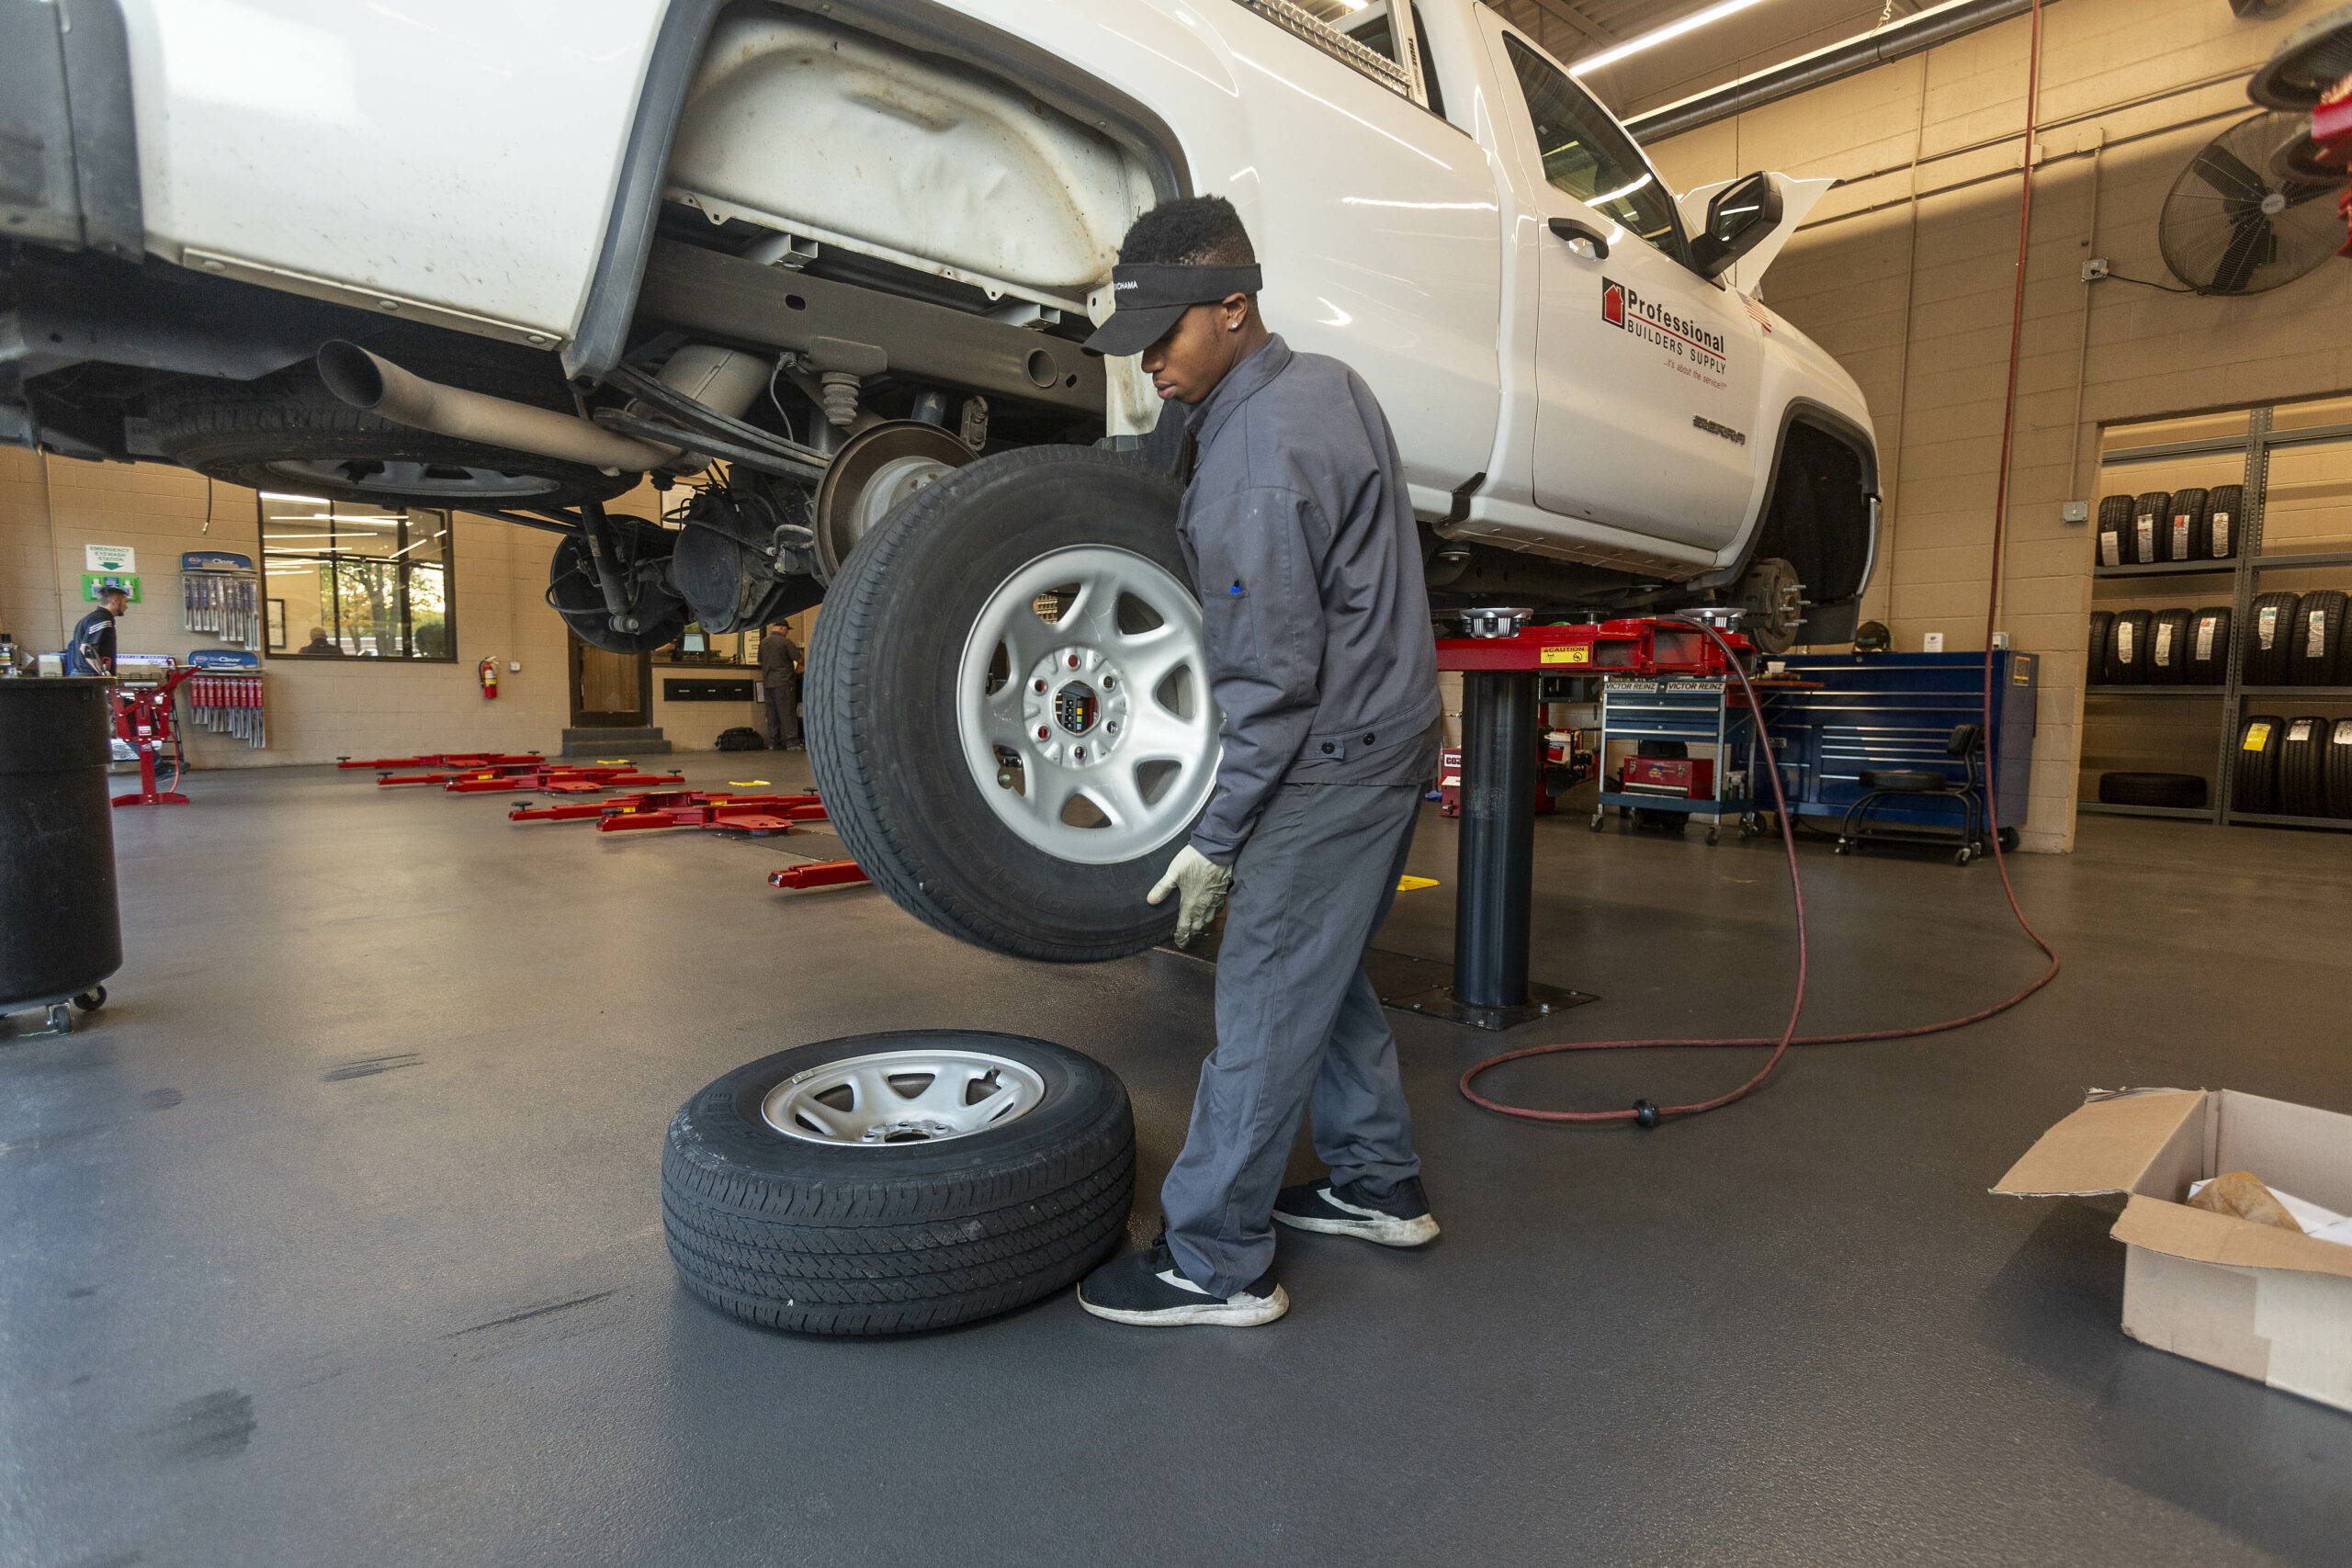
(488, 670)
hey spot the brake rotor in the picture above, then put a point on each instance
(878, 470)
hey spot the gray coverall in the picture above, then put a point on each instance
(1302, 544)
(781, 684)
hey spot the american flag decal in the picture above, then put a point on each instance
(1762, 317)
(1613, 302)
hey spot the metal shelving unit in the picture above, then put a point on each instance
(2244, 570)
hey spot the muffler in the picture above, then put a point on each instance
(371, 382)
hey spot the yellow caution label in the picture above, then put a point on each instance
(2257, 735)
(1581, 653)
(1406, 884)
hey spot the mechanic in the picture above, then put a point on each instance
(90, 649)
(1302, 547)
(780, 682)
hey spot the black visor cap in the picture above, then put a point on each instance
(1146, 299)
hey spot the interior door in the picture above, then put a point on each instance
(610, 691)
(1646, 373)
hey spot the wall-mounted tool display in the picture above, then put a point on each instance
(224, 695)
(221, 593)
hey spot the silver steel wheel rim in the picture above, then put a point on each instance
(902, 1096)
(1093, 736)
(894, 484)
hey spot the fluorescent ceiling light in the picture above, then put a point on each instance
(1690, 23)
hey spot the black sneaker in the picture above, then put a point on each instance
(1148, 1288)
(1401, 1219)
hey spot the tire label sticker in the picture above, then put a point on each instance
(2122, 641)
(2147, 538)
(2316, 636)
(2343, 736)
(2257, 735)
(2180, 537)
(2221, 534)
(2162, 652)
(2266, 626)
(2205, 624)
(2111, 549)
(2299, 732)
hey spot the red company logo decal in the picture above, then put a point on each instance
(1692, 346)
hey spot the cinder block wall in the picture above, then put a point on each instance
(318, 709)
(1904, 273)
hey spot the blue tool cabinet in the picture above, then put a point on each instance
(1897, 710)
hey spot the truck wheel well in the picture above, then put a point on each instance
(1818, 515)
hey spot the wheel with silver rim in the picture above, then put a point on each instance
(1008, 707)
(926, 1095)
(1081, 704)
(897, 1181)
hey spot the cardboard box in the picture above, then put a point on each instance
(2264, 1303)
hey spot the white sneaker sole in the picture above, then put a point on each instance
(1247, 1312)
(1417, 1232)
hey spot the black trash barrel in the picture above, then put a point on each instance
(61, 927)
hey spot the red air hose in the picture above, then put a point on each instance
(1649, 1115)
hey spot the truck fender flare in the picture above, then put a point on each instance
(1841, 427)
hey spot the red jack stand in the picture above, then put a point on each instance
(818, 874)
(143, 720)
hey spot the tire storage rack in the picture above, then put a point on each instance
(2276, 662)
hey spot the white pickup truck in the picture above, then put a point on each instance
(835, 257)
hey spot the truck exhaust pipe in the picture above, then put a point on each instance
(371, 382)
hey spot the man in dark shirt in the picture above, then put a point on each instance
(1303, 549)
(90, 649)
(780, 678)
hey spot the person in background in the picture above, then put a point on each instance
(319, 644)
(780, 678)
(90, 649)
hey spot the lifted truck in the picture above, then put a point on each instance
(836, 258)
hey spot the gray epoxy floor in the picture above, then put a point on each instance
(336, 1237)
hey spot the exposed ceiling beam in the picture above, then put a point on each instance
(1563, 11)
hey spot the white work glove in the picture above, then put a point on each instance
(1202, 884)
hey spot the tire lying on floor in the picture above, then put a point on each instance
(1007, 704)
(889, 1182)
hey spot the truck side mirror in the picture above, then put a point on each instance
(1743, 213)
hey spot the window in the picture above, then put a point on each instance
(359, 581)
(1585, 155)
(1362, 35)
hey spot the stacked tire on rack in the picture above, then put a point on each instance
(2207, 662)
(2166, 527)
(2168, 647)
(2222, 504)
(2337, 768)
(2114, 530)
(2297, 640)
(2177, 792)
(2303, 768)
(2126, 663)
(2254, 781)
(897, 1181)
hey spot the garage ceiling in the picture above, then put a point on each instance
(1765, 34)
